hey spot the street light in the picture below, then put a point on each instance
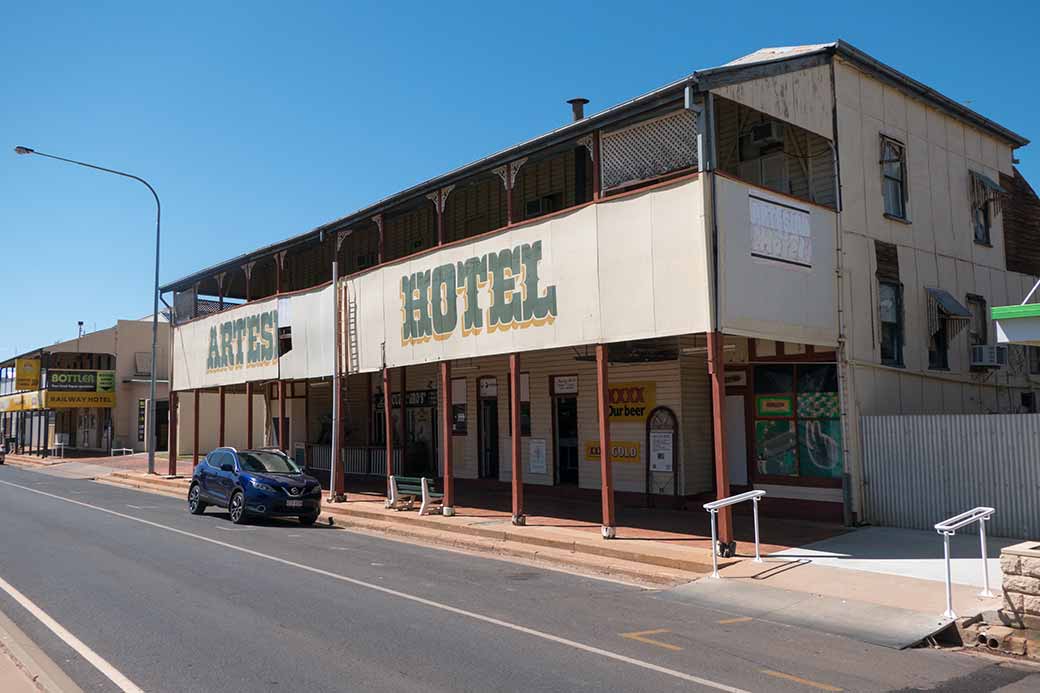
(155, 291)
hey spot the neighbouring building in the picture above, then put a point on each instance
(699, 290)
(86, 396)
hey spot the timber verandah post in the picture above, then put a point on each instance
(606, 472)
(221, 429)
(249, 415)
(388, 424)
(448, 504)
(514, 439)
(717, 372)
(195, 433)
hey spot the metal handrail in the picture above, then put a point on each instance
(714, 507)
(948, 528)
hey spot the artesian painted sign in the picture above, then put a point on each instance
(26, 374)
(620, 451)
(247, 341)
(780, 232)
(496, 291)
(632, 401)
(67, 380)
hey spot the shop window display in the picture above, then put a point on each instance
(797, 424)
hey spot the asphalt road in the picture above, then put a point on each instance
(175, 602)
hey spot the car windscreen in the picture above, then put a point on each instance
(267, 462)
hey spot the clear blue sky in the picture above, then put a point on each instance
(258, 121)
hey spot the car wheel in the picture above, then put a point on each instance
(195, 504)
(308, 520)
(237, 508)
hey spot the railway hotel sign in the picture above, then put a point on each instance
(496, 291)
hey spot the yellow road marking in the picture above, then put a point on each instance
(799, 679)
(640, 635)
(739, 619)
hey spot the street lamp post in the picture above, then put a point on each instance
(155, 290)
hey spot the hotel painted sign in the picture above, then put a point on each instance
(579, 277)
(496, 291)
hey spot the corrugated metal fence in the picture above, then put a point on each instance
(919, 470)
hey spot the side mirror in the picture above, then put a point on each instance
(227, 467)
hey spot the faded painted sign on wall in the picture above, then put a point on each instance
(245, 343)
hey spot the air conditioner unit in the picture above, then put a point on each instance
(763, 134)
(985, 356)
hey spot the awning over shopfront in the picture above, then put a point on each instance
(1018, 324)
(943, 306)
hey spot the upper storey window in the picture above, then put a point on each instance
(893, 177)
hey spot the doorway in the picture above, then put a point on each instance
(487, 429)
(421, 447)
(565, 417)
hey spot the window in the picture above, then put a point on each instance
(938, 347)
(1033, 354)
(797, 422)
(525, 406)
(978, 331)
(985, 195)
(284, 340)
(893, 177)
(1028, 400)
(890, 307)
(980, 214)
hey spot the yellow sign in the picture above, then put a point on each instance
(620, 451)
(632, 401)
(68, 400)
(26, 374)
(10, 403)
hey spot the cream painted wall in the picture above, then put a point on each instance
(235, 430)
(682, 386)
(936, 249)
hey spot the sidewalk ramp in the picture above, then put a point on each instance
(871, 623)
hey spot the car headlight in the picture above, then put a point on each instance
(262, 486)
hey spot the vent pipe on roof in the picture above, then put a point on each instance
(577, 108)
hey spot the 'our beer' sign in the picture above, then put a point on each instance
(249, 341)
(497, 291)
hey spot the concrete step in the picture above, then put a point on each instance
(682, 559)
(552, 557)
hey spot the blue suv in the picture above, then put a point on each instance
(254, 483)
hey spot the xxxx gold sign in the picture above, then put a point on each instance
(245, 342)
(499, 291)
(620, 451)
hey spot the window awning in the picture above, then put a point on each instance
(943, 306)
(985, 190)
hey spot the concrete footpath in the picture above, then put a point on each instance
(25, 668)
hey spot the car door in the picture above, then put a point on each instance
(207, 475)
(219, 480)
